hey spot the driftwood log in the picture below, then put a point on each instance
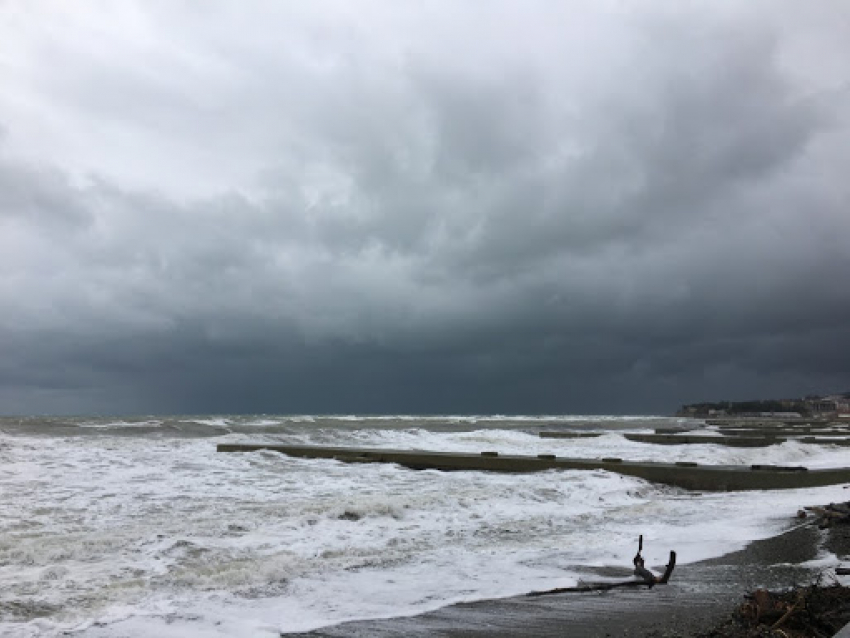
(647, 578)
(828, 515)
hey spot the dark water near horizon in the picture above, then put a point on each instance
(220, 425)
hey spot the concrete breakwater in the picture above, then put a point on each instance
(786, 432)
(682, 474)
(683, 439)
(768, 421)
(729, 440)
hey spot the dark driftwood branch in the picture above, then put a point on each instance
(640, 570)
(829, 515)
(591, 587)
(800, 600)
(648, 578)
(668, 570)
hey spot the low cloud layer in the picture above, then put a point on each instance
(540, 207)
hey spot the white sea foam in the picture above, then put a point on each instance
(217, 421)
(139, 536)
(791, 452)
(120, 424)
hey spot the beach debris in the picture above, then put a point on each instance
(815, 611)
(647, 578)
(829, 515)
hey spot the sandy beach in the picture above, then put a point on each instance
(699, 596)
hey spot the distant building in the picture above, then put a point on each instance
(823, 405)
(842, 404)
(812, 405)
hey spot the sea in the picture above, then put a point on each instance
(138, 527)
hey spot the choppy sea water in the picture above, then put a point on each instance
(137, 527)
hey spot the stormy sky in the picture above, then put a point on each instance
(422, 207)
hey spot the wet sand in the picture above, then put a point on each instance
(698, 596)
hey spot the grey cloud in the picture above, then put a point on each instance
(40, 196)
(424, 231)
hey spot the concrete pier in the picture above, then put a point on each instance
(825, 440)
(570, 435)
(684, 439)
(784, 431)
(684, 474)
(730, 441)
(767, 421)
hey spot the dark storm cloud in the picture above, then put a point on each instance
(546, 209)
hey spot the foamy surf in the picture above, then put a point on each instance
(142, 535)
